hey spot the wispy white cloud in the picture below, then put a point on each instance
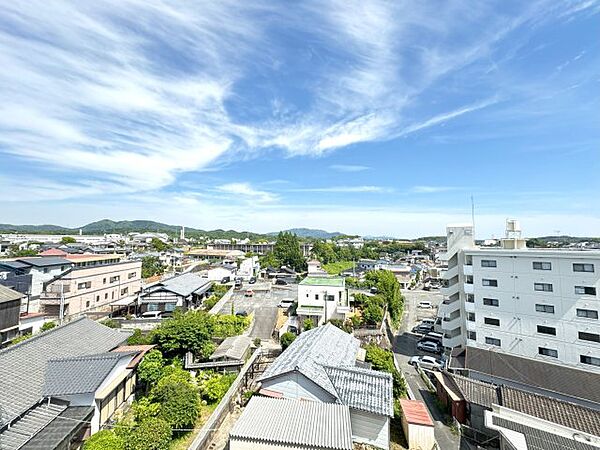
(349, 167)
(346, 189)
(431, 189)
(247, 192)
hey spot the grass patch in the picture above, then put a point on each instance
(185, 440)
(336, 268)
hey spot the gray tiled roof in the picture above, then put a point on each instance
(13, 264)
(364, 389)
(28, 425)
(8, 295)
(66, 424)
(543, 375)
(538, 439)
(45, 261)
(79, 374)
(294, 423)
(23, 366)
(475, 391)
(324, 345)
(551, 409)
(185, 285)
(233, 347)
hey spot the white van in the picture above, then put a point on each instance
(151, 315)
(425, 304)
(428, 322)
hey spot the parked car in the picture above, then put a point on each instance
(238, 284)
(225, 280)
(425, 304)
(252, 280)
(166, 314)
(428, 322)
(151, 315)
(422, 329)
(248, 293)
(429, 346)
(241, 314)
(426, 362)
(286, 303)
(432, 336)
(280, 282)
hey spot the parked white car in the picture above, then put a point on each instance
(426, 362)
(286, 303)
(428, 346)
(425, 304)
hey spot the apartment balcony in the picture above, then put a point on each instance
(453, 341)
(450, 273)
(469, 307)
(54, 290)
(468, 288)
(471, 325)
(447, 309)
(451, 323)
(468, 270)
(310, 310)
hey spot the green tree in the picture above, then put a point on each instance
(68, 240)
(144, 409)
(286, 339)
(138, 338)
(269, 260)
(104, 440)
(151, 266)
(159, 245)
(15, 252)
(383, 360)
(179, 402)
(214, 388)
(308, 324)
(373, 314)
(287, 251)
(151, 434)
(190, 331)
(150, 369)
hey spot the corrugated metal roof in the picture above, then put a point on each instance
(324, 345)
(415, 412)
(364, 389)
(80, 374)
(30, 424)
(66, 424)
(234, 347)
(23, 365)
(9, 295)
(295, 422)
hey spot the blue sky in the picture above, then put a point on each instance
(361, 117)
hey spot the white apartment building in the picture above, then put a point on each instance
(322, 298)
(535, 303)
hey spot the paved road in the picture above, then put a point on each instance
(405, 346)
(263, 303)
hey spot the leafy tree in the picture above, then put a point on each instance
(229, 325)
(286, 339)
(190, 331)
(214, 388)
(388, 288)
(150, 370)
(48, 326)
(373, 314)
(138, 338)
(308, 324)
(287, 251)
(104, 440)
(151, 266)
(179, 402)
(144, 409)
(269, 260)
(159, 245)
(15, 252)
(151, 434)
(342, 325)
(68, 240)
(383, 360)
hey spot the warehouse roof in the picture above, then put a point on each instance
(296, 423)
(364, 389)
(8, 295)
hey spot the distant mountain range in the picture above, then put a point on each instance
(107, 226)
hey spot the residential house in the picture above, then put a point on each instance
(183, 291)
(315, 269)
(61, 385)
(92, 282)
(323, 298)
(248, 268)
(321, 366)
(10, 309)
(281, 424)
(233, 348)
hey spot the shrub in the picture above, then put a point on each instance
(110, 323)
(150, 369)
(179, 402)
(373, 314)
(151, 434)
(48, 326)
(104, 440)
(308, 324)
(214, 388)
(286, 339)
(383, 360)
(138, 338)
(256, 342)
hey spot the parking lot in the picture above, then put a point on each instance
(263, 303)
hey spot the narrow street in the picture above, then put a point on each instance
(404, 347)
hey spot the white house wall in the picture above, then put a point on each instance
(296, 386)
(368, 428)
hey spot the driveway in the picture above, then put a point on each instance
(405, 346)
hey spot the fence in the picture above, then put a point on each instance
(206, 433)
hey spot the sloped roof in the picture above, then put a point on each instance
(66, 424)
(415, 412)
(551, 409)
(30, 424)
(475, 391)
(324, 345)
(80, 374)
(45, 261)
(295, 423)
(141, 350)
(23, 365)
(184, 285)
(364, 389)
(233, 347)
(8, 295)
(53, 252)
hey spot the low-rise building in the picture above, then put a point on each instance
(183, 291)
(10, 309)
(323, 298)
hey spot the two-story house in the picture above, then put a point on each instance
(323, 298)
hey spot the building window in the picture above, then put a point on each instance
(542, 265)
(592, 337)
(106, 296)
(316, 296)
(544, 308)
(543, 287)
(491, 302)
(112, 295)
(470, 298)
(493, 341)
(546, 330)
(124, 291)
(587, 313)
(84, 285)
(87, 304)
(491, 283)
(491, 321)
(472, 335)
(131, 275)
(104, 281)
(591, 360)
(548, 352)
(471, 317)
(488, 263)
(97, 298)
(585, 290)
(577, 267)
(115, 278)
